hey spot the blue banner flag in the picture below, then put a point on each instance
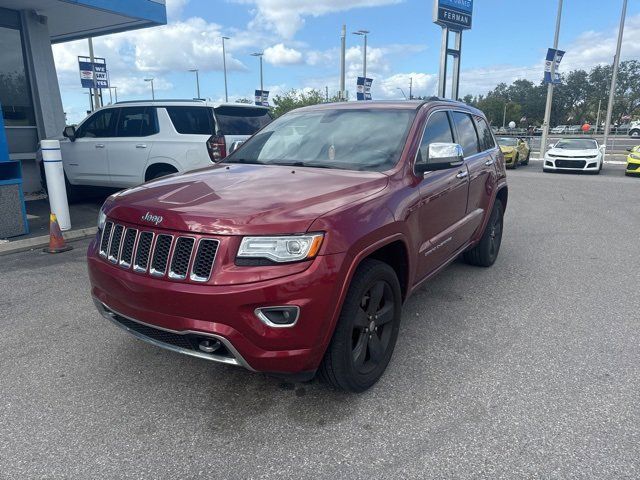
(364, 88)
(262, 98)
(93, 75)
(553, 56)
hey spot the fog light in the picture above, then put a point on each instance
(548, 164)
(278, 317)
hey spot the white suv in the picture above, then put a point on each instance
(128, 143)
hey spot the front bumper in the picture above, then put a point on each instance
(176, 315)
(572, 164)
(633, 166)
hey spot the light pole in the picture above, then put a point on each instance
(196, 71)
(153, 93)
(504, 115)
(260, 55)
(403, 94)
(614, 76)
(115, 91)
(547, 109)
(224, 67)
(343, 48)
(410, 88)
(364, 33)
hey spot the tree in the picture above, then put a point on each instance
(298, 98)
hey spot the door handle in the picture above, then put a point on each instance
(462, 174)
(490, 162)
(99, 145)
(141, 145)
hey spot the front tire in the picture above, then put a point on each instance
(486, 252)
(367, 330)
(526, 162)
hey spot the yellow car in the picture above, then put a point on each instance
(516, 151)
(633, 161)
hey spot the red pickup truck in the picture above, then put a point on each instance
(295, 254)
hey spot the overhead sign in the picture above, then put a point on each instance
(553, 56)
(93, 75)
(364, 88)
(453, 14)
(262, 98)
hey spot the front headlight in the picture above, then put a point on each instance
(290, 248)
(102, 218)
(635, 156)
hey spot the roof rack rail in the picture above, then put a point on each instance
(164, 100)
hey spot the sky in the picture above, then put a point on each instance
(301, 44)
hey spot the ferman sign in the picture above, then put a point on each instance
(453, 14)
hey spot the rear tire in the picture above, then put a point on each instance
(367, 329)
(485, 253)
(159, 174)
(526, 162)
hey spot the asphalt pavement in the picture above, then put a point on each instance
(528, 369)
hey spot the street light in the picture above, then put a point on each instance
(403, 94)
(153, 93)
(364, 33)
(196, 71)
(260, 54)
(224, 66)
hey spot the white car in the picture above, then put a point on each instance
(128, 143)
(634, 129)
(560, 129)
(574, 154)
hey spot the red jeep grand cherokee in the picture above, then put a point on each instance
(296, 253)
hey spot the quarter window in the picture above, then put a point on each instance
(438, 130)
(484, 134)
(136, 122)
(467, 136)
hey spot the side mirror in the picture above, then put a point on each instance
(235, 146)
(442, 156)
(551, 145)
(70, 133)
(628, 149)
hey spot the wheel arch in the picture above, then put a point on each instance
(159, 164)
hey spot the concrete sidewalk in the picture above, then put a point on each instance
(84, 215)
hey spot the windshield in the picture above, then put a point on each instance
(507, 142)
(577, 144)
(353, 139)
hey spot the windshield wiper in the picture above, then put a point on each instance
(247, 161)
(301, 164)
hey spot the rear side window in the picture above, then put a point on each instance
(137, 122)
(484, 134)
(241, 120)
(438, 130)
(467, 136)
(192, 120)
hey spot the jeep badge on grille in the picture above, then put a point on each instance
(149, 217)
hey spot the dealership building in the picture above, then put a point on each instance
(29, 91)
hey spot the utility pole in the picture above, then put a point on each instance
(224, 66)
(547, 109)
(343, 50)
(598, 117)
(115, 91)
(153, 93)
(410, 88)
(96, 100)
(260, 55)
(614, 76)
(195, 70)
(364, 33)
(504, 115)
(326, 94)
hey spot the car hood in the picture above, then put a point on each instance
(243, 199)
(573, 153)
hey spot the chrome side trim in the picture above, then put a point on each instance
(237, 359)
(263, 318)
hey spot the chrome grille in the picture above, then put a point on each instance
(203, 263)
(159, 254)
(106, 236)
(114, 246)
(127, 247)
(141, 262)
(181, 257)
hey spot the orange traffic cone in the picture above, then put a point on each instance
(56, 240)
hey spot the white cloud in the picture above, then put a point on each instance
(286, 18)
(281, 55)
(175, 8)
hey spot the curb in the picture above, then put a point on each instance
(42, 241)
